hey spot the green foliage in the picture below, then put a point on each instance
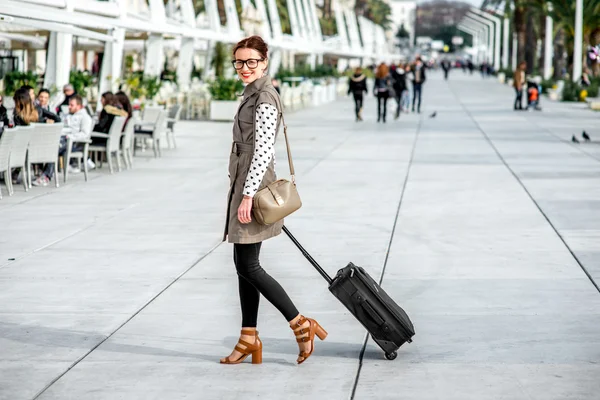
(571, 91)
(547, 84)
(81, 82)
(593, 89)
(305, 71)
(140, 85)
(220, 58)
(366, 72)
(284, 16)
(15, 79)
(328, 26)
(225, 89)
(152, 85)
(378, 11)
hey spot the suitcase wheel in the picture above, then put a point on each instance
(391, 356)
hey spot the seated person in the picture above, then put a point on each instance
(78, 126)
(43, 108)
(111, 108)
(25, 112)
(68, 91)
(3, 113)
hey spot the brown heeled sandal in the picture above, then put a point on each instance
(313, 329)
(250, 349)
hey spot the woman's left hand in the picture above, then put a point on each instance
(245, 210)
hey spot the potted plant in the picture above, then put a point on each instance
(225, 100)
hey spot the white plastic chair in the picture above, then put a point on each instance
(112, 144)
(127, 142)
(43, 147)
(156, 132)
(5, 142)
(172, 118)
(18, 155)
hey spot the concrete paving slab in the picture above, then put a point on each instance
(131, 266)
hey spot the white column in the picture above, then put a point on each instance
(233, 22)
(549, 48)
(296, 32)
(157, 11)
(153, 63)
(578, 45)
(112, 61)
(488, 28)
(505, 45)
(262, 11)
(495, 34)
(185, 61)
(341, 26)
(60, 49)
(275, 20)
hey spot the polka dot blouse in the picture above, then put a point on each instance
(264, 147)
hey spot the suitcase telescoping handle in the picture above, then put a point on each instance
(308, 256)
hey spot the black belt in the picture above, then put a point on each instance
(239, 147)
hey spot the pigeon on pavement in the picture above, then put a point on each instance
(574, 139)
(586, 136)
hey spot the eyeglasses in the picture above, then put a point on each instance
(251, 63)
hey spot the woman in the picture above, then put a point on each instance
(251, 167)
(111, 108)
(125, 105)
(25, 112)
(383, 82)
(399, 77)
(357, 84)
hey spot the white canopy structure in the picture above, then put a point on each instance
(109, 23)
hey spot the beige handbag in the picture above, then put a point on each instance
(278, 199)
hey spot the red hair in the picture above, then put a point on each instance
(255, 43)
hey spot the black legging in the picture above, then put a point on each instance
(518, 99)
(254, 281)
(417, 91)
(358, 103)
(382, 98)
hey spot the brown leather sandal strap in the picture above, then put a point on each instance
(249, 332)
(249, 346)
(301, 331)
(303, 339)
(241, 350)
(301, 321)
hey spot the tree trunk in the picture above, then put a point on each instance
(530, 44)
(521, 29)
(559, 54)
(543, 34)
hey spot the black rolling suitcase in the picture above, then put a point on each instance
(387, 323)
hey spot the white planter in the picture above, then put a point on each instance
(501, 77)
(221, 110)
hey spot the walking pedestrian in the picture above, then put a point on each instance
(383, 88)
(251, 167)
(418, 74)
(518, 82)
(357, 85)
(446, 67)
(399, 77)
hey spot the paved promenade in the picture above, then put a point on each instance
(485, 224)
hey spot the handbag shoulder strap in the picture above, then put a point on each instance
(287, 142)
(289, 152)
